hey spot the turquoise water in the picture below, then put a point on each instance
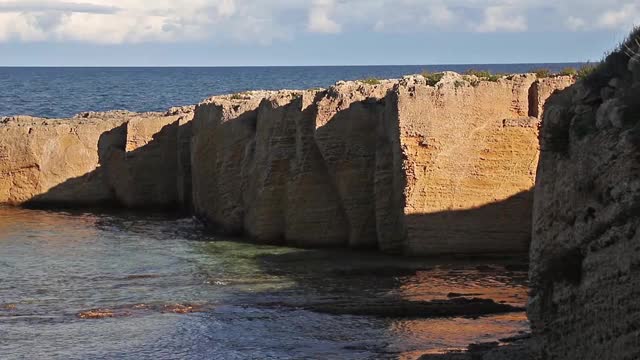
(63, 92)
(243, 301)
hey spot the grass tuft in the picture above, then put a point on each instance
(432, 78)
(568, 71)
(542, 73)
(586, 70)
(484, 75)
(370, 81)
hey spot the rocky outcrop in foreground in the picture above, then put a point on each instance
(408, 166)
(585, 253)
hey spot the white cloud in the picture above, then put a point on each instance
(626, 16)
(266, 21)
(319, 18)
(576, 23)
(43, 6)
(499, 18)
(440, 14)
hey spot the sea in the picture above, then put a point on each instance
(57, 92)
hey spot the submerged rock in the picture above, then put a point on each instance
(507, 350)
(399, 308)
(142, 309)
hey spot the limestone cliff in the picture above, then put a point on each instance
(400, 165)
(585, 258)
(469, 152)
(114, 158)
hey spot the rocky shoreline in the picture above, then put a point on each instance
(410, 166)
(404, 166)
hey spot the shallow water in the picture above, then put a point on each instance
(247, 301)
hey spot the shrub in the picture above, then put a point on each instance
(237, 96)
(480, 74)
(631, 45)
(473, 81)
(586, 70)
(432, 78)
(495, 77)
(542, 73)
(483, 75)
(370, 81)
(459, 83)
(568, 71)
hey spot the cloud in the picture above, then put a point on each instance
(56, 6)
(576, 23)
(626, 16)
(263, 22)
(440, 14)
(498, 18)
(319, 20)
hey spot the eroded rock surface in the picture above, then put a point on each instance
(115, 157)
(585, 273)
(468, 157)
(399, 165)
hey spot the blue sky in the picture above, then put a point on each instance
(313, 32)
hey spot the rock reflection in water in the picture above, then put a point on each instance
(196, 296)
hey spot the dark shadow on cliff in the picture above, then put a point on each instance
(347, 145)
(151, 177)
(495, 228)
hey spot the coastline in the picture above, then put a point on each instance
(362, 164)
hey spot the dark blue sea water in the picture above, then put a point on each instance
(63, 92)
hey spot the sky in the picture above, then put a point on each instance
(309, 32)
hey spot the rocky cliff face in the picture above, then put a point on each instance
(401, 166)
(585, 258)
(468, 155)
(95, 158)
(290, 166)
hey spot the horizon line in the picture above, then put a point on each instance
(276, 66)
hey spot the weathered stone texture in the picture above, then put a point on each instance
(469, 153)
(54, 160)
(399, 165)
(542, 89)
(224, 130)
(346, 123)
(116, 157)
(145, 172)
(585, 258)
